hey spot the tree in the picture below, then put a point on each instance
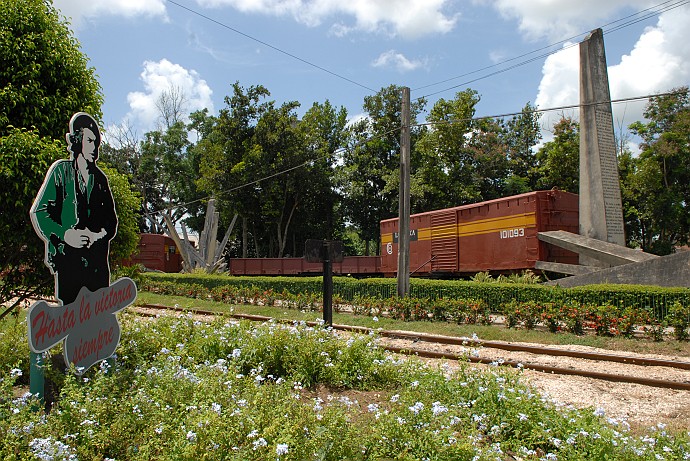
(224, 151)
(44, 77)
(658, 186)
(24, 160)
(369, 176)
(558, 161)
(323, 133)
(522, 133)
(462, 159)
(164, 174)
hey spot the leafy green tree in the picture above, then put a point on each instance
(658, 186)
(522, 134)
(44, 79)
(224, 151)
(445, 175)
(24, 159)
(164, 174)
(44, 76)
(370, 171)
(463, 159)
(490, 162)
(323, 133)
(558, 161)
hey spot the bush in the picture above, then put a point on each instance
(559, 311)
(679, 319)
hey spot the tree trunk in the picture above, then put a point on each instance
(256, 242)
(245, 241)
(283, 238)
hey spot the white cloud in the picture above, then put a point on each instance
(561, 19)
(78, 10)
(406, 18)
(392, 58)
(560, 83)
(659, 61)
(162, 76)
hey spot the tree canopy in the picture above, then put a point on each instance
(657, 185)
(44, 79)
(44, 76)
(291, 173)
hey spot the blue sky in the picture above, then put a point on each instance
(141, 48)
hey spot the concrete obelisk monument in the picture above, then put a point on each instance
(601, 210)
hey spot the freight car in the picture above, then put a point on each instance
(157, 253)
(495, 236)
(498, 236)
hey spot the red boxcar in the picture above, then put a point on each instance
(158, 253)
(351, 265)
(497, 236)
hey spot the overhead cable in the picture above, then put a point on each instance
(286, 53)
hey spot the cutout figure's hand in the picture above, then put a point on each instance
(94, 236)
(78, 238)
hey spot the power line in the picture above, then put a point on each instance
(654, 12)
(309, 63)
(551, 109)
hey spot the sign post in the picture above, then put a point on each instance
(74, 215)
(326, 252)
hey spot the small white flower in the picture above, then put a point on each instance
(281, 449)
(191, 436)
(15, 372)
(259, 443)
(375, 319)
(216, 407)
(416, 408)
(437, 408)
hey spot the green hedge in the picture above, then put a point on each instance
(654, 299)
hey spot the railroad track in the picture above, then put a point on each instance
(432, 343)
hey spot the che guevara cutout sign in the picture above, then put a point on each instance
(74, 214)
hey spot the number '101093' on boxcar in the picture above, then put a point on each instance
(496, 236)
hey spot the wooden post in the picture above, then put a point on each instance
(404, 199)
(327, 286)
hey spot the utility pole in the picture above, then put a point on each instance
(404, 204)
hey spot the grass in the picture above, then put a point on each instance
(488, 333)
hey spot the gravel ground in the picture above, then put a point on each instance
(640, 405)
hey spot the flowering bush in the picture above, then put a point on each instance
(180, 389)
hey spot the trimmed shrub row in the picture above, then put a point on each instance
(571, 316)
(657, 300)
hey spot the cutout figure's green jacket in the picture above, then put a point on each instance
(67, 201)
